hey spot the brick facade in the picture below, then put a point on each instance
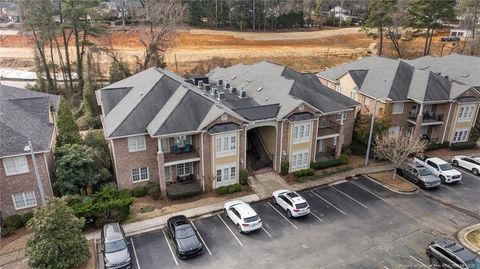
(25, 182)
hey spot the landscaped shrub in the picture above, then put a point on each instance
(463, 145)
(178, 191)
(343, 158)
(304, 172)
(7, 230)
(357, 149)
(284, 168)
(437, 146)
(243, 177)
(14, 221)
(26, 217)
(153, 189)
(231, 189)
(139, 191)
(222, 190)
(108, 205)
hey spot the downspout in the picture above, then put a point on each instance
(281, 146)
(203, 162)
(446, 123)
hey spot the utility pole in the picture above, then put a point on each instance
(253, 14)
(37, 174)
(371, 132)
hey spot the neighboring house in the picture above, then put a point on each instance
(163, 128)
(436, 96)
(25, 115)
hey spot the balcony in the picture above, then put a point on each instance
(428, 119)
(180, 156)
(328, 128)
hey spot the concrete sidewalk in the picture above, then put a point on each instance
(158, 222)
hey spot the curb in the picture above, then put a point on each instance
(395, 190)
(462, 237)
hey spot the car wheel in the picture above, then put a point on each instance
(289, 214)
(274, 200)
(442, 178)
(225, 211)
(422, 184)
(239, 228)
(435, 262)
(455, 163)
(475, 172)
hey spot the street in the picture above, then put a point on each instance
(354, 224)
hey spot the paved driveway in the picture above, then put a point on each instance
(354, 224)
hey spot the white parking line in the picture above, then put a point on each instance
(371, 192)
(353, 199)
(201, 238)
(313, 214)
(238, 240)
(171, 250)
(316, 194)
(135, 253)
(282, 215)
(421, 263)
(266, 232)
(385, 267)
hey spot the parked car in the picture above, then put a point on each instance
(469, 163)
(445, 253)
(243, 216)
(419, 175)
(440, 168)
(294, 204)
(184, 237)
(114, 247)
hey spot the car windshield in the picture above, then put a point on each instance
(424, 172)
(302, 205)
(474, 264)
(184, 232)
(251, 219)
(115, 246)
(445, 167)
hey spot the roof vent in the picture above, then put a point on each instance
(227, 85)
(200, 84)
(234, 77)
(233, 90)
(243, 93)
(466, 75)
(259, 89)
(214, 92)
(220, 82)
(221, 96)
(208, 87)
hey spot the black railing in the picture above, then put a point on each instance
(328, 127)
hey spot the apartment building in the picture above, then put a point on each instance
(163, 128)
(25, 115)
(436, 96)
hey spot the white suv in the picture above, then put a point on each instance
(292, 202)
(243, 216)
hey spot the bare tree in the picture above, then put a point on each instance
(398, 148)
(162, 18)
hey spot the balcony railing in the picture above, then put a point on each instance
(428, 118)
(181, 155)
(328, 127)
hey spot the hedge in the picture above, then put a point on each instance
(463, 145)
(153, 189)
(243, 177)
(229, 189)
(139, 191)
(178, 191)
(15, 222)
(435, 146)
(329, 163)
(304, 172)
(284, 168)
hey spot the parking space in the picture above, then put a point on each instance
(354, 224)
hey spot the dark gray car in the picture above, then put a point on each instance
(115, 247)
(419, 175)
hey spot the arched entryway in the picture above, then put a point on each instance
(261, 148)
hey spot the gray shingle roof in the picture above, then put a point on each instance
(301, 116)
(111, 97)
(259, 112)
(223, 127)
(358, 76)
(24, 115)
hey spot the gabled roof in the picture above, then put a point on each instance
(425, 79)
(24, 115)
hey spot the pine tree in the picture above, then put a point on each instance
(67, 128)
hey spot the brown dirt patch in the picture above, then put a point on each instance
(474, 237)
(16, 241)
(399, 183)
(164, 206)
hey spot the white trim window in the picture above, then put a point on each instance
(23, 200)
(226, 173)
(460, 135)
(225, 144)
(465, 113)
(397, 108)
(301, 132)
(15, 165)
(394, 131)
(342, 115)
(299, 160)
(140, 174)
(136, 143)
(184, 169)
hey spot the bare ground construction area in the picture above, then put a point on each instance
(307, 51)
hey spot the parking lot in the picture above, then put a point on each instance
(354, 224)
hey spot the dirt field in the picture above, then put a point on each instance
(305, 51)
